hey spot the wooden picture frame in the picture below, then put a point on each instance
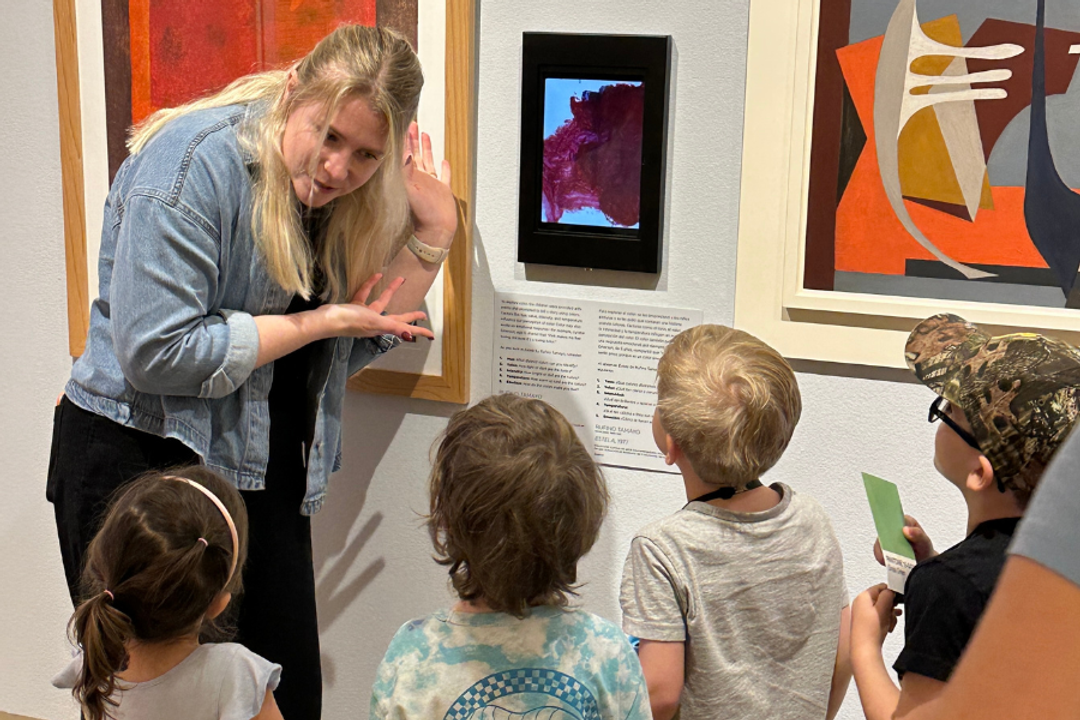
(594, 112)
(771, 299)
(82, 139)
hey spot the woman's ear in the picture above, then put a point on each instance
(982, 476)
(291, 81)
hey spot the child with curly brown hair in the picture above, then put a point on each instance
(160, 571)
(516, 501)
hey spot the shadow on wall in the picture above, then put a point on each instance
(340, 533)
(341, 530)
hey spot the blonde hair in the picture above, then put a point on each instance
(516, 501)
(365, 227)
(729, 401)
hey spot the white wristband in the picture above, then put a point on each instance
(426, 252)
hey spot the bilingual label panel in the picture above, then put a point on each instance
(594, 362)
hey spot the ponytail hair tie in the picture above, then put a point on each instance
(224, 513)
(203, 541)
(109, 593)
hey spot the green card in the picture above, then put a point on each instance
(889, 520)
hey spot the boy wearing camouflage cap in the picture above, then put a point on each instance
(1006, 403)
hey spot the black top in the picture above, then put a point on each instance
(296, 388)
(945, 596)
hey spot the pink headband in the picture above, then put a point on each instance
(224, 512)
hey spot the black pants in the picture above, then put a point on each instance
(92, 457)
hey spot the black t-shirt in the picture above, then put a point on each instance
(298, 380)
(945, 596)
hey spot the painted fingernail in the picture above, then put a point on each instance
(408, 337)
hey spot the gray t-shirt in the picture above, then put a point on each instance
(757, 599)
(219, 681)
(1049, 533)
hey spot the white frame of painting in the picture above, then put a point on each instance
(447, 38)
(770, 301)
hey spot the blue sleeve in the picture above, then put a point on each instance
(385, 694)
(1049, 533)
(365, 350)
(168, 338)
(634, 690)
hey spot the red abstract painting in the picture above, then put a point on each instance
(180, 51)
(162, 53)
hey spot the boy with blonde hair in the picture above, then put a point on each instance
(516, 501)
(739, 598)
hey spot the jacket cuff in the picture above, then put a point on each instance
(364, 350)
(240, 358)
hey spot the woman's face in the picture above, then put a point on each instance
(354, 148)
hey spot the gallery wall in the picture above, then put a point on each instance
(373, 563)
(33, 364)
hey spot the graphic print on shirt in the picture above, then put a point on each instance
(525, 694)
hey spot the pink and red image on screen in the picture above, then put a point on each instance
(592, 152)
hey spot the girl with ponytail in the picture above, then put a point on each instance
(159, 574)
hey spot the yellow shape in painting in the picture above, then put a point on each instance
(926, 169)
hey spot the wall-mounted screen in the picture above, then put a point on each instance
(593, 148)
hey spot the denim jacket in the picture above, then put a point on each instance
(172, 343)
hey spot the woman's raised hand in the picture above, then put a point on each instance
(359, 318)
(434, 211)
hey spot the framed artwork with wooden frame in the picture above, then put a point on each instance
(902, 159)
(120, 60)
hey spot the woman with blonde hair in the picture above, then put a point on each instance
(243, 242)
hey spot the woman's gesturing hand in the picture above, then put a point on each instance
(359, 318)
(434, 211)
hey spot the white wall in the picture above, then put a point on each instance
(372, 555)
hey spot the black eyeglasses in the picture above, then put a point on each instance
(939, 410)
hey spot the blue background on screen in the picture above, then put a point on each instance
(557, 94)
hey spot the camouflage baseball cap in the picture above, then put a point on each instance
(1019, 392)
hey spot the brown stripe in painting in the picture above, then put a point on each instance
(400, 15)
(116, 37)
(825, 149)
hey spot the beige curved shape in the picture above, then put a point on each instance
(894, 104)
(960, 130)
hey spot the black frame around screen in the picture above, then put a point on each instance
(602, 57)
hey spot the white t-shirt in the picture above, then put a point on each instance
(756, 597)
(218, 681)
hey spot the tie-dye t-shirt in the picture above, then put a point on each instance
(553, 664)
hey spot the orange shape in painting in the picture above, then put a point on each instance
(869, 237)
